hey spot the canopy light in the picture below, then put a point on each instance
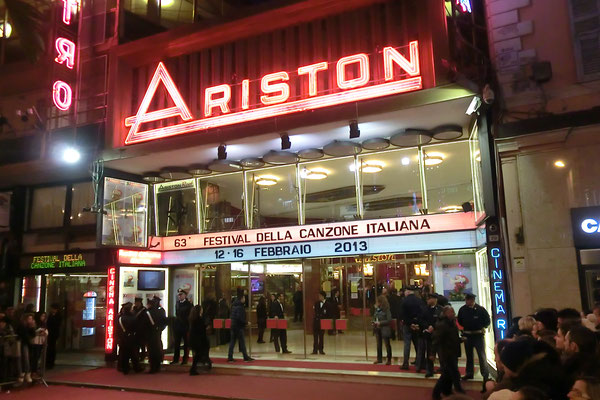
(432, 159)
(452, 209)
(315, 173)
(405, 161)
(559, 164)
(71, 155)
(266, 180)
(369, 167)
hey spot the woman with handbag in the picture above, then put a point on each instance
(382, 319)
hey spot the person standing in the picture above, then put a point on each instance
(198, 339)
(382, 318)
(238, 323)
(336, 306)
(320, 313)
(53, 325)
(126, 328)
(26, 333)
(157, 319)
(298, 300)
(142, 328)
(446, 341)
(426, 355)
(474, 319)
(411, 311)
(181, 327)
(261, 318)
(279, 335)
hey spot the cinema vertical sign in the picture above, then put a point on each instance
(352, 82)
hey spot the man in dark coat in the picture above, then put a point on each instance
(335, 303)
(446, 341)
(474, 319)
(126, 327)
(181, 327)
(321, 312)
(53, 325)
(142, 327)
(279, 335)
(157, 320)
(238, 323)
(429, 318)
(411, 309)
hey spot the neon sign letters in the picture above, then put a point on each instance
(465, 5)
(110, 310)
(590, 226)
(352, 83)
(499, 294)
(62, 95)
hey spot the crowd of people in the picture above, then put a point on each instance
(23, 335)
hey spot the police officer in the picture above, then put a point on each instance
(474, 319)
(141, 328)
(181, 326)
(126, 339)
(429, 318)
(280, 335)
(157, 320)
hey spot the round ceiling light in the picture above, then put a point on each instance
(153, 177)
(432, 159)
(310, 154)
(411, 137)
(280, 157)
(376, 144)
(174, 173)
(369, 167)
(452, 209)
(199, 170)
(314, 173)
(252, 162)
(266, 180)
(339, 148)
(224, 166)
(447, 132)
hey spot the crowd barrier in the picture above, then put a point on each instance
(15, 360)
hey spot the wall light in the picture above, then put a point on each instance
(432, 159)
(8, 29)
(71, 155)
(452, 209)
(559, 164)
(315, 173)
(266, 180)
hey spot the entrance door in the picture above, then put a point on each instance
(592, 287)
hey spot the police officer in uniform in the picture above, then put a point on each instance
(181, 326)
(157, 319)
(279, 335)
(474, 319)
(141, 328)
(429, 318)
(126, 339)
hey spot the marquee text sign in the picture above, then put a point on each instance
(57, 261)
(306, 233)
(353, 82)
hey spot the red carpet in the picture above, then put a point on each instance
(67, 392)
(246, 387)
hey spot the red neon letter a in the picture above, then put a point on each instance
(180, 108)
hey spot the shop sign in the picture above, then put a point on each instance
(174, 186)
(62, 94)
(304, 233)
(274, 90)
(586, 227)
(71, 260)
(499, 301)
(377, 258)
(139, 257)
(110, 310)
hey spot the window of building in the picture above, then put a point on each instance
(391, 184)
(273, 197)
(125, 204)
(328, 190)
(83, 197)
(48, 207)
(447, 176)
(222, 202)
(585, 23)
(177, 211)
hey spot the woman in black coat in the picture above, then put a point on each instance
(261, 318)
(198, 340)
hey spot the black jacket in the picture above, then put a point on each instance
(261, 311)
(238, 315)
(411, 309)
(430, 316)
(335, 303)
(446, 340)
(473, 318)
(197, 332)
(126, 326)
(321, 312)
(182, 315)
(53, 326)
(298, 299)
(276, 310)
(157, 318)
(395, 303)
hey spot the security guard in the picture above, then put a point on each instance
(181, 326)
(126, 339)
(280, 335)
(157, 319)
(141, 328)
(474, 319)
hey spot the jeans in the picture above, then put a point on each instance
(409, 336)
(476, 342)
(237, 334)
(450, 376)
(388, 346)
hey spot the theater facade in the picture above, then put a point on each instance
(303, 149)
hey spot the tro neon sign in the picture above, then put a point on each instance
(499, 294)
(109, 345)
(62, 94)
(353, 82)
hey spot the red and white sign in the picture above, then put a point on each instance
(353, 83)
(62, 94)
(110, 310)
(139, 257)
(338, 230)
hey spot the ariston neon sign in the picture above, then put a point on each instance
(275, 94)
(110, 310)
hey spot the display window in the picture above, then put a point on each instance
(125, 220)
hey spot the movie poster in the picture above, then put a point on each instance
(185, 279)
(457, 281)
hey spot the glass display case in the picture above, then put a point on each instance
(126, 207)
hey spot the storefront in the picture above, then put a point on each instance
(586, 237)
(357, 169)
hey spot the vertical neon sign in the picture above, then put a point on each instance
(465, 5)
(499, 301)
(110, 310)
(65, 55)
